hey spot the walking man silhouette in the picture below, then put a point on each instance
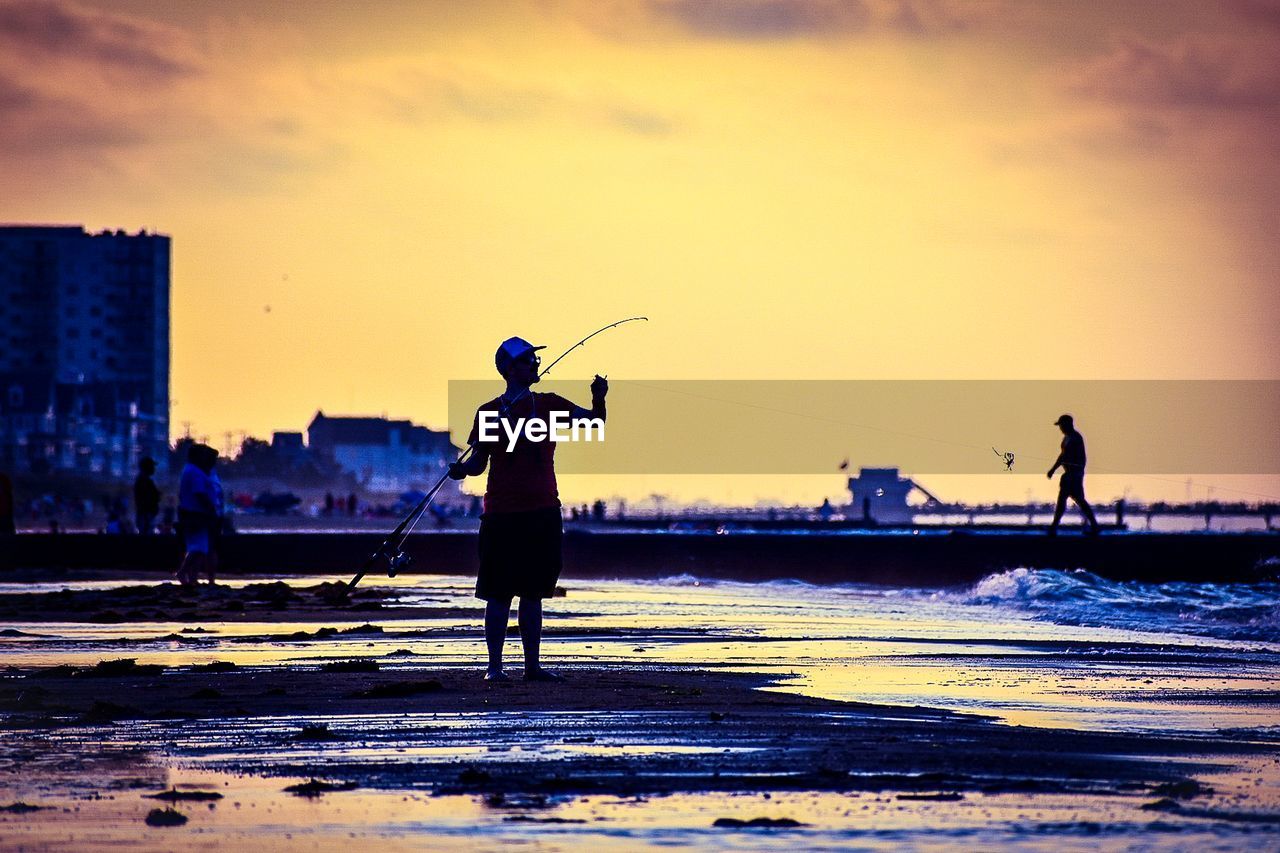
(520, 530)
(1072, 462)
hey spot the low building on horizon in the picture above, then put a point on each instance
(880, 495)
(386, 456)
(290, 446)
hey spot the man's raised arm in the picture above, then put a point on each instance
(599, 390)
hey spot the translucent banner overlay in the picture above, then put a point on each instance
(658, 426)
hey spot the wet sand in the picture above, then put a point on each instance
(747, 734)
(265, 601)
(409, 750)
(526, 747)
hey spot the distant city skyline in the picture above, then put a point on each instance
(365, 199)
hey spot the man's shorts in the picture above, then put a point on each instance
(1072, 485)
(197, 541)
(519, 554)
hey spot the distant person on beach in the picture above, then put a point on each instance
(1072, 462)
(197, 515)
(520, 529)
(146, 497)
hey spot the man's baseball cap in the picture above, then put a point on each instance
(512, 349)
(1064, 419)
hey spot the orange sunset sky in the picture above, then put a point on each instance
(365, 198)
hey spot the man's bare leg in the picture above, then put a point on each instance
(1088, 513)
(531, 639)
(1057, 513)
(189, 571)
(496, 615)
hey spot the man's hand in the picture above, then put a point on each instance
(599, 387)
(1050, 474)
(457, 471)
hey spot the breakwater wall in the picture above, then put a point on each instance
(900, 558)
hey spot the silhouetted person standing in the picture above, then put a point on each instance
(198, 515)
(1072, 462)
(520, 530)
(146, 497)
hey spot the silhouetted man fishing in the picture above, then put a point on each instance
(1072, 462)
(520, 530)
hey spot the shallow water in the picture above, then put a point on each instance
(1034, 647)
(1026, 647)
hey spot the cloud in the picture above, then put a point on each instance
(1187, 73)
(1125, 136)
(86, 93)
(1196, 98)
(639, 122)
(49, 31)
(764, 19)
(924, 18)
(77, 83)
(770, 20)
(14, 97)
(1266, 12)
(421, 94)
(1060, 142)
(35, 123)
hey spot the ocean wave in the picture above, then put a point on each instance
(678, 580)
(1230, 611)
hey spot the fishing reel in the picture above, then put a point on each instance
(396, 562)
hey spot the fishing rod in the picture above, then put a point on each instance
(392, 548)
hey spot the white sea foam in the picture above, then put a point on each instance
(1231, 611)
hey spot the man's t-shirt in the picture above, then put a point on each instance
(1073, 453)
(523, 478)
(194, 491)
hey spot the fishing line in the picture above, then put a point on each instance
(933, 439)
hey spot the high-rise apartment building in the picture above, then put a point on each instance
(84, 350)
